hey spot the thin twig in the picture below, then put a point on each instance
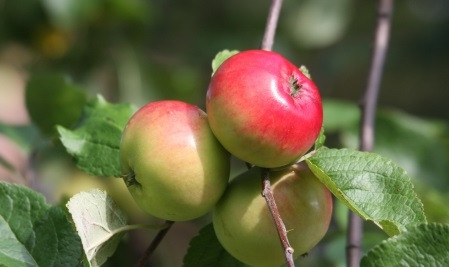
(366, 137)
(280, 226)
(122, 229)
(375, 76)
(267, 44)
(354, 240)
(157, 239)
(272, 22)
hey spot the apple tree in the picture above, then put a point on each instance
(269, 170)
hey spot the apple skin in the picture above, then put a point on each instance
(173, 165)
(256, 111)
(243, 223)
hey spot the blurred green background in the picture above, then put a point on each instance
(140, 51)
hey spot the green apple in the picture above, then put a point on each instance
(172, 163)
(245, 227)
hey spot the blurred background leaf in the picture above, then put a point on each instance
(420, 146)
(139, 51)
(51, 100)
(22, 135)
(206, 250)
(319, 23)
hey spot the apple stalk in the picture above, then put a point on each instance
(267, 44)
(282, 231)
(154, 244)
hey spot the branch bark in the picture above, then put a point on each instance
(272, 22)
(367, 126)
(154, 244)
(267, 44)
(280, 226)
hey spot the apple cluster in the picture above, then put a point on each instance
(263, 110)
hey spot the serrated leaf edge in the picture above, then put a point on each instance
(396, 237)
(214, 68)
(318, 172)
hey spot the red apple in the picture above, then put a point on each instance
(173, 165)
(263, 109)
(244, 225)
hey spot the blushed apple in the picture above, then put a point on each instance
(243, 223)
(172, 163)
(263, 109)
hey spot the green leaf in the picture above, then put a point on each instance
(409, 141)
(6, 164)
(305, 71)
(422, 245)
(221, 57)
(21, 135)
(99, 222)
(95, 142)
(52, 100)
(205, 250)
(12, 252)
(319, 142)
(406, 139)
(32, 233)
(370, 185)
(56, 227)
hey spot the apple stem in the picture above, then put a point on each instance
(270, 28)
(248, 165)
(154, 244)
(280, 226)
(367, 124)
(130, 179)
(267, 44)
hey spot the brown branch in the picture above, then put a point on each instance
(378, 59)
(267, 44)
(270, 28)
(366, 137)
(280, 226)
(154, 244)
(354, 240)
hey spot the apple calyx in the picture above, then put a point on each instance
(294, 86)
(130, 179)
(169, 133)
(291, 118)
